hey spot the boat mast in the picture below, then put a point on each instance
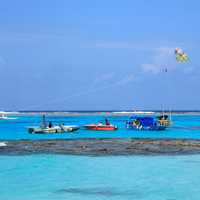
(44, 124)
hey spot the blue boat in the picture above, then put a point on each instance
(144, 123)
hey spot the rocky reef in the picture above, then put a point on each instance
(101, 147)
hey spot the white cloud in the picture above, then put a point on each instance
(152, 68)
(163, 59)
(91, 90)
(104, 78)
(123, 45)
(113, 45)
(125, 80)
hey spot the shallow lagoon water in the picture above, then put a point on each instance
(52, 177)
(184, 126)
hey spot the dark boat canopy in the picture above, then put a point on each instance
(144, 121)
(165, 117)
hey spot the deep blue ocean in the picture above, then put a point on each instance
(65, 177)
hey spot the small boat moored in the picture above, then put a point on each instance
(164, 120)
(3, 116)
(101, 126)
(144, 123)
(50, 128)
(55, 129)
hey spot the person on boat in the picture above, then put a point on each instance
(107, 122)
(62, 127)
(50, 125)
(43, 124)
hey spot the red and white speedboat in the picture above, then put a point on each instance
(101, 127)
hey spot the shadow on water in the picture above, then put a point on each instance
(107, 191)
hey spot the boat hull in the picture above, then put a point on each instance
(144, 123)
(153, 128)
(56, 129)
(96, 127)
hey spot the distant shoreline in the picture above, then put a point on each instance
(99, 113)
(101, 147)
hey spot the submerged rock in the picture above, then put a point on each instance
(104, 191)
(101, 147)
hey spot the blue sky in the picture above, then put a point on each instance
(93, 55)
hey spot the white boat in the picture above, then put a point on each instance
(3, 116)
(54, 129)
(44, 128)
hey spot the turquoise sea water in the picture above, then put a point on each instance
(63, 177)
(185, 126)
(53, 177)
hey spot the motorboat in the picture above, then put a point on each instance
(101, 126)
(54, 129)
(3, 116)
(144, 123)
(50, 128)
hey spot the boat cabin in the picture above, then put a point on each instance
(144, 123)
